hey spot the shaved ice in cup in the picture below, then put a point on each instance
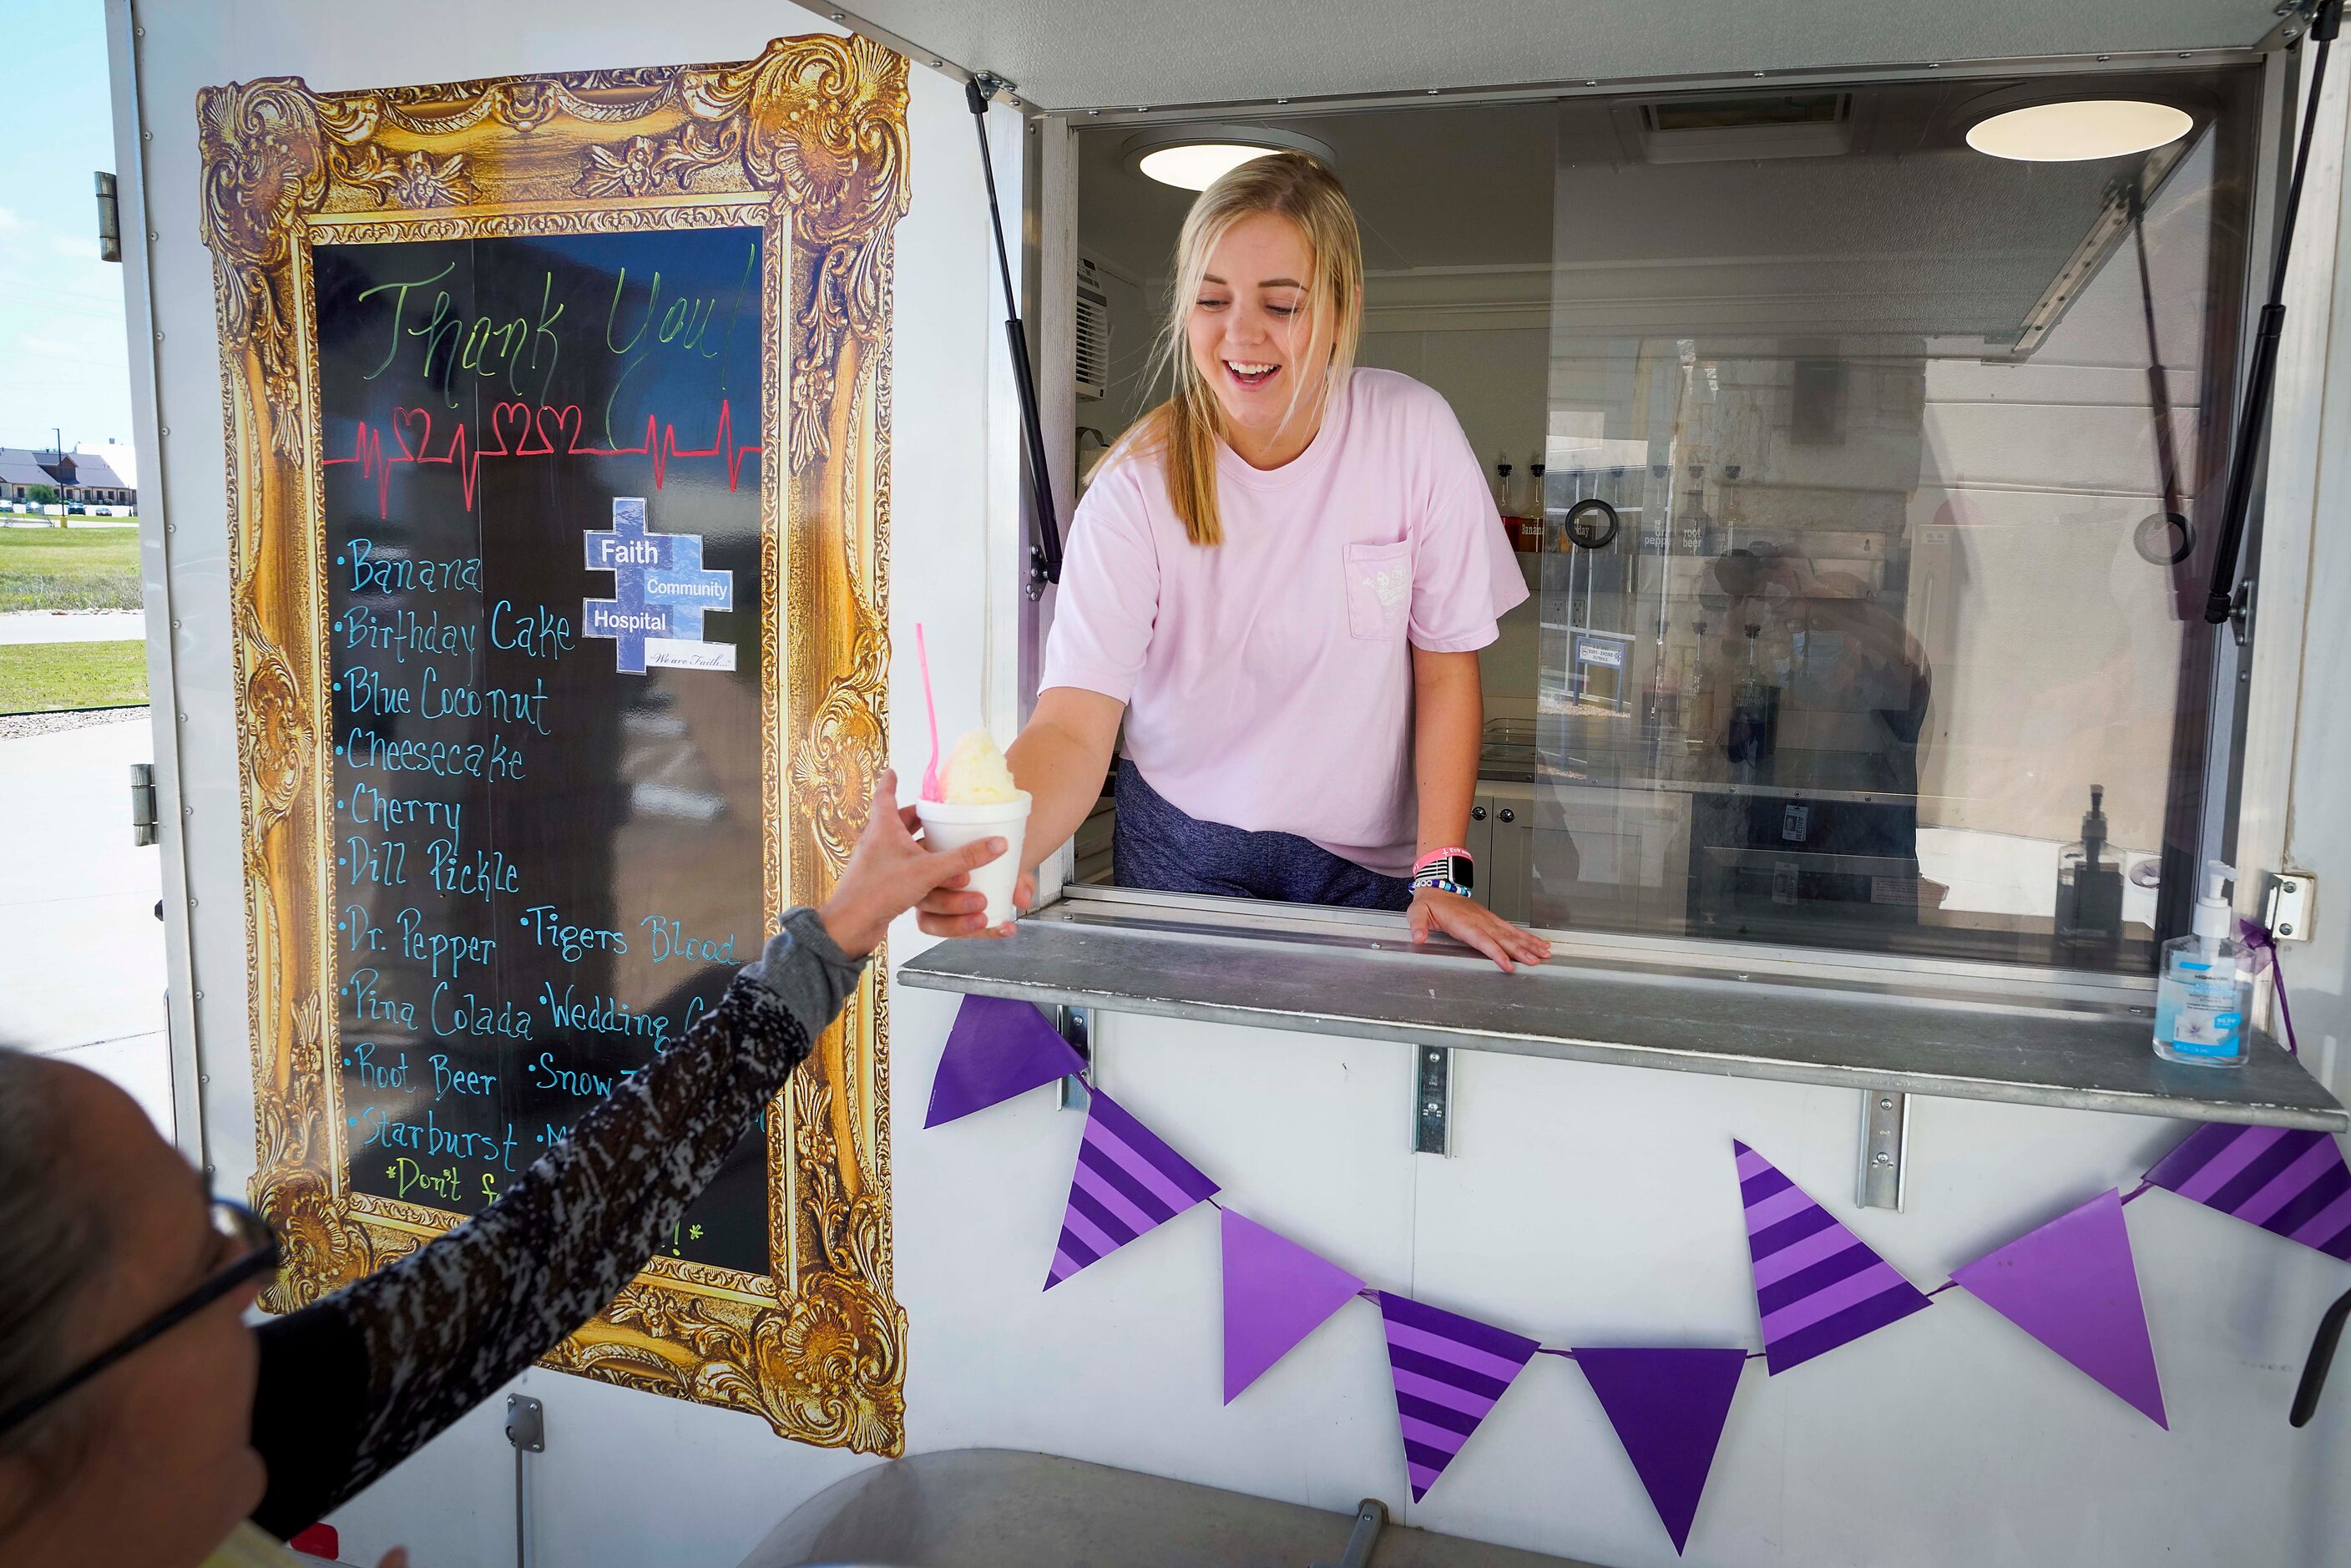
(982, 802)
(976, 773)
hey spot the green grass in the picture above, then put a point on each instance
(70, 568)
(42, 677)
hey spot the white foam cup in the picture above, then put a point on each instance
(947, 826)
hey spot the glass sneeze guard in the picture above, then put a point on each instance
(1907, 451)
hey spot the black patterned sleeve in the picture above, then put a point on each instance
(351, 1387)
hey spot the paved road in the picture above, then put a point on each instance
(81, 952)
(72, 626)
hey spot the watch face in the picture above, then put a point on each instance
(1455, 873)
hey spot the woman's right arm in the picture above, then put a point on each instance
(1060, 759)
(1103, 621)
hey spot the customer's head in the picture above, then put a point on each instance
(1264, 319)
(102, 1226)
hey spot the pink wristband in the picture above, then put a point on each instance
(1433, 856)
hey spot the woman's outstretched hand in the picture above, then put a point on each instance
(954, 911)
(1467, 920)
(890, 872)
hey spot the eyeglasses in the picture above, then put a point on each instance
(258, 1254)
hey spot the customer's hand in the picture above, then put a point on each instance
(890, 872)
(954, 911)
(1467, 920)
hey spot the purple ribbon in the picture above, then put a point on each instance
(2257, 937)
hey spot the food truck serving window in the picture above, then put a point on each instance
(1863, 482)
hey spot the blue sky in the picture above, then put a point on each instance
(62, 359)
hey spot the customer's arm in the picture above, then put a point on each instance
(354, 1385)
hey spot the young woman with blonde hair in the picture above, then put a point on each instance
(1279, 580)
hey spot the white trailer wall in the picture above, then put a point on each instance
(1585, 1203)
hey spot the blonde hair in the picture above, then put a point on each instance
(1186, 429)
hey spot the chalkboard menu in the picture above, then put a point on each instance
(540, 470)
(557, 419)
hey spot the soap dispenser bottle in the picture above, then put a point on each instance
(2205, 991)
(2090, 892)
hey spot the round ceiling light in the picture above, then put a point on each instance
(1197, 165)
(2081, 128)
(1194, 157)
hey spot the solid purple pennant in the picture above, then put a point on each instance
(1667, 1405)
(1127, 1182)
(2072, 1285)
(1450, 1370)
(996, 1049)
(2287, 1180)
(1276, 1293)
(1817, 1285)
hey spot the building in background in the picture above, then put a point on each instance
(121, 456)
(79, 479)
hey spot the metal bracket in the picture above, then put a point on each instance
(525, 1424)
(1075, 1025)
(1884, 1141)
(1432, 1100)
(1371, 1518)
(2290, 906)
(527, 1430)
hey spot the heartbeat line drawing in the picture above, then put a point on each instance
(525, 430)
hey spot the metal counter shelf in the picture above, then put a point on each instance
(1901, 1025)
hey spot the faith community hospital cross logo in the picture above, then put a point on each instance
(660, 592)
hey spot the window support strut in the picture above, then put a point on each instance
(2252, 422)
(1045, 535)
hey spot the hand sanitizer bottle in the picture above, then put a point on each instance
(2205, 994)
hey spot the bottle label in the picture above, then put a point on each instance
(2203, 1020)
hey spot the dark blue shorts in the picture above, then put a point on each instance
(1160, 848)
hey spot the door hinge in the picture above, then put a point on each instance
(110, 219)
(142, 802)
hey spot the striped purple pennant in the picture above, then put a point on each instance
(1127, 1182)
(2290, 1181)
(1450, 1370)
(1817, 1285)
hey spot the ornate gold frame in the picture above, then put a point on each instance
(808, 142)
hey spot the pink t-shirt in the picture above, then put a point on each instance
(1268, 679)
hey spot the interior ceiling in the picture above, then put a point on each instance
(1437, 187)
(1063, 54)
(1909, 233)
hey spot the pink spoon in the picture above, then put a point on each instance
(933, 790)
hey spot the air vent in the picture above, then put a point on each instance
(1701, 130)
(1094, 331)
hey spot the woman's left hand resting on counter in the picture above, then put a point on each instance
(1467, 920)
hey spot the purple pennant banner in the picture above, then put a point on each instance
(1667, 1405)
(1127, 1182)
(1817, 1285)
(1450, 1370)
(2072, 1285)
(2290, 1181)
(996, 1049)
(1276, 1293)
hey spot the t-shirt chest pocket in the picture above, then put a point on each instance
(1379, 588)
